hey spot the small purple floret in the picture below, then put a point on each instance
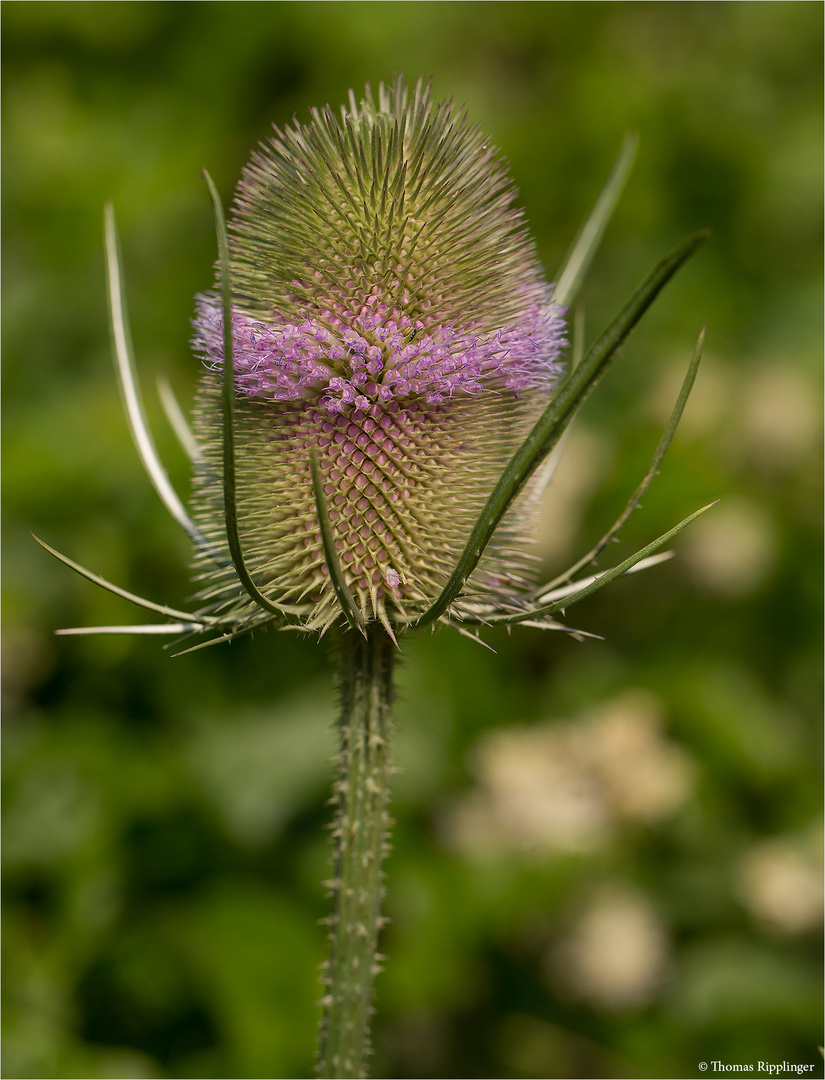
(381, 357)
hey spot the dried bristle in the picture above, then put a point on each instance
(390, 314)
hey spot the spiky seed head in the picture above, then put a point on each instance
(391, 316)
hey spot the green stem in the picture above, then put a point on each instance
(360, 837)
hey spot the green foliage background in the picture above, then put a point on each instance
(164, 821)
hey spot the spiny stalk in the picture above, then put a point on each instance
(361, 793)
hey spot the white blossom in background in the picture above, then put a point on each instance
(780, 882)
(567, 786)
(614, 956)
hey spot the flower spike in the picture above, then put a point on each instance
(389, 315)
(382, 326)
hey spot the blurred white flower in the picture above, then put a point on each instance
(780, 415)
(770, 415)
(644, 775)
(733, 550)
(615, 954)
(565, 786)
(780, 882)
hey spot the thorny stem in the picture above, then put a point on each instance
(360, 838)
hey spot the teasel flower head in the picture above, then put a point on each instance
(390, 320)
(396, 398)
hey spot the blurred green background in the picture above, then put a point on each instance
(606, 856)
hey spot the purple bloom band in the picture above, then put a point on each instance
(380, 356)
